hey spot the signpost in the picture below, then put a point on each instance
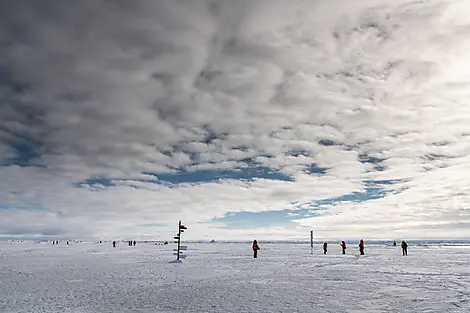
(178, 254)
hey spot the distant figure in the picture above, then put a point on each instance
(67, 242)
(255, 249)
(134, 243)
(325, 247)
(361, 247)
(404, 247)
(394, 243)
(343, 246)
(114, 244)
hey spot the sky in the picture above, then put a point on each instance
(243, 119)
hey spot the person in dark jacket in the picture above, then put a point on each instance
(255, 249)
(325, 247)
(404, 247)
(343, 246)
(361, 247)
(114, 244)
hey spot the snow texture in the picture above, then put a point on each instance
(88, 277)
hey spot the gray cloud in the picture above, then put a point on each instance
(119, 90)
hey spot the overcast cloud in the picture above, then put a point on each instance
(120, 117)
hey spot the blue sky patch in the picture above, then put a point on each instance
(249, 174)
(253, 220)
(315, 169)
(249, 220)
(376, 162)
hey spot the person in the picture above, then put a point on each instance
(361, 247)
(255, 249)
(394, 243)
(325, 247)
(134, 243)
(343, 246)
(114, 244)
(404, 247)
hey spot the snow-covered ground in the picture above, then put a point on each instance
(88, 277)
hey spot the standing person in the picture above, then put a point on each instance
(255, 249)
(394, 243)
(114, 244)
(343, 246)
(325, 247)
(404, 247)
(134, 243)
(361, 247)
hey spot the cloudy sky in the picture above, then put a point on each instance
(241, 118)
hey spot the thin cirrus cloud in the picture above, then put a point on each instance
(246, 118)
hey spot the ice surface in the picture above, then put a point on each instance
(88, 277)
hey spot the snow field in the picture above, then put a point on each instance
(88, 277)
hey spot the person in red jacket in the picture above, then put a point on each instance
(255, 249)
(343, 246)
(325, 248)
(361, 247)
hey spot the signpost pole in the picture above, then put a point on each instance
(179, 241)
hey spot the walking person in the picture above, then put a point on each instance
(404, 247)
(255, 249)
(325, 247)
(361, 247)
(114, 244)
(343, 246)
